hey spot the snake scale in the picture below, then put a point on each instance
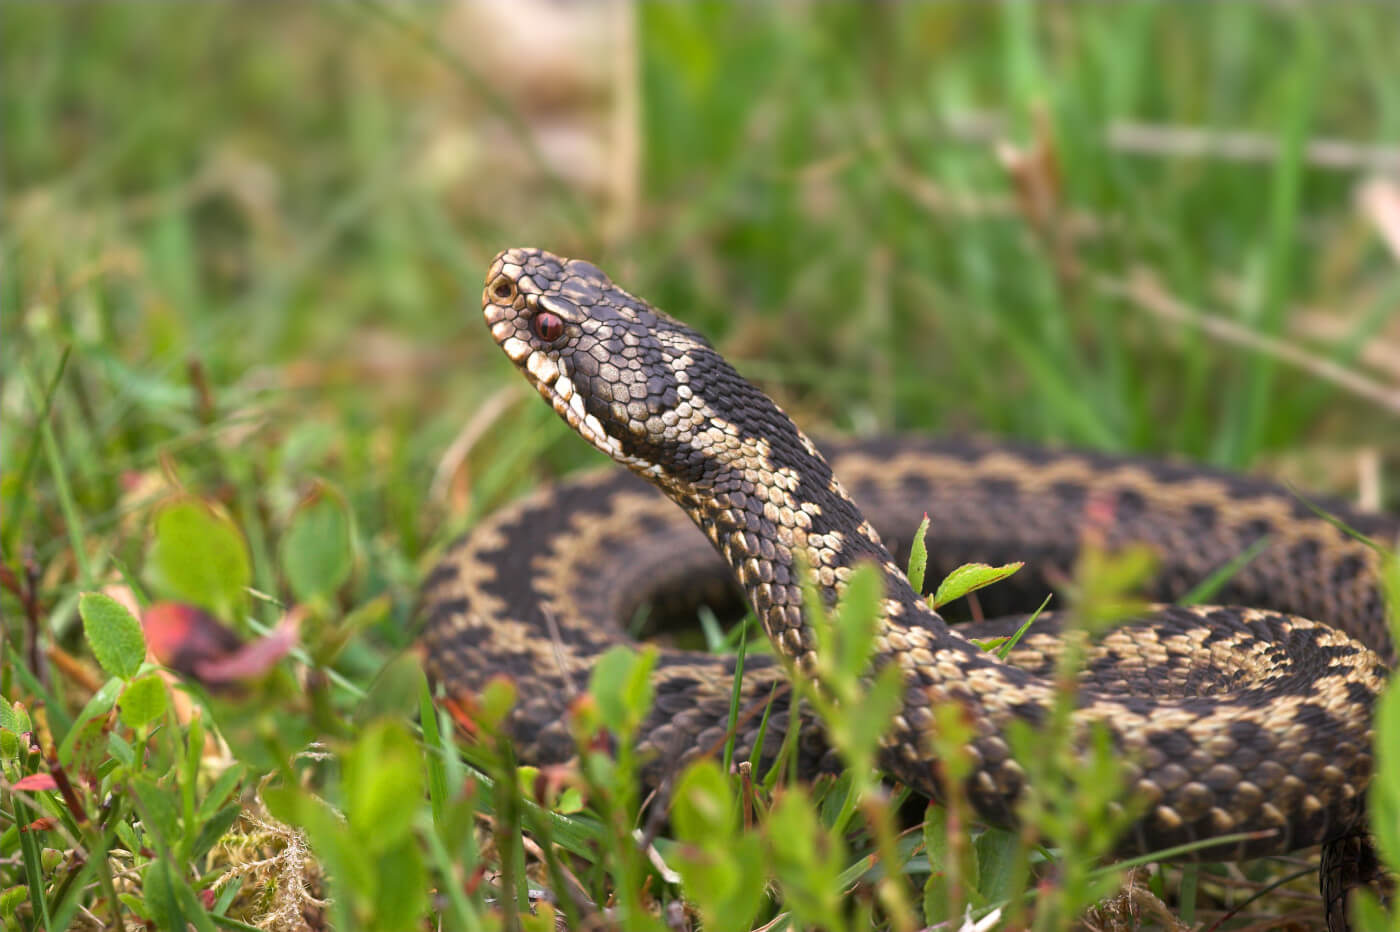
(1228, 719)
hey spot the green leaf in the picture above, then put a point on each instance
(937, 903)
(192, 907)
(394, 692)
(1384, 795)
(968, 578)
(1368, 915)
(854, 624)
(621, 685)
(219, 792)
(120, 749)
(157, 808)
(857, 730)
(722, 868)
(213, 828)
(99, 705)
(10, 900)
(158, 891)
(383, 785)
(806, 858)
(318, 549)
(402, 890)
(494, 702)
(14, 721)
(996, 852)
(199, 556)
(15, 717)
(1390, 584)
(702, 806)
(113, 634)
(918, 556)
(144, 700)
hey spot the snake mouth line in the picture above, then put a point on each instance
(550, 379)
(568, 404)
(555, 387)
(559, 391)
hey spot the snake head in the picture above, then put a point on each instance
(624, 375)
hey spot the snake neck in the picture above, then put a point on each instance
(769, 502)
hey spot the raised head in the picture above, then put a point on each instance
(634, 382)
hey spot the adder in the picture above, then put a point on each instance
(1228, 719)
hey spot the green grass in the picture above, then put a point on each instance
(242, 252)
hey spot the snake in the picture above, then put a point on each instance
(1248, 722)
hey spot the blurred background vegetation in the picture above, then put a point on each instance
(256, 234)
(243, 244)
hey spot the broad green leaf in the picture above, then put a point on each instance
(996, 853)
(807, 860)
(854, 622)
(318, 550)
(856, 730)
(402, 888)
(99, 705)
(394, 692)
(136, 904)
(722, 868)
(1368, 915)
(1107, 583)
(968, 578)
(144, 700)
(113, 634)
(383, 784)
(621, 685)
(199, 556)
(192, 907)
(494, 702)
(702, 806)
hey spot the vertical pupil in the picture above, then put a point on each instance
(548, 327)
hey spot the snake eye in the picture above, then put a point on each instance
(505, 289)
(547, 327)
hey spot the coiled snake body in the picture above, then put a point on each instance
(1228, 719)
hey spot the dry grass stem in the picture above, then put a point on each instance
(1143, 291)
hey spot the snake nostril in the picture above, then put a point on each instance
(504, 289)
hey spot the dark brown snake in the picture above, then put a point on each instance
(1227, 719)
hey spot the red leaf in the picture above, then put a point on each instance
(36, 781)
(252, 660)
(463, 712)
(193, 642)
(182, 636)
